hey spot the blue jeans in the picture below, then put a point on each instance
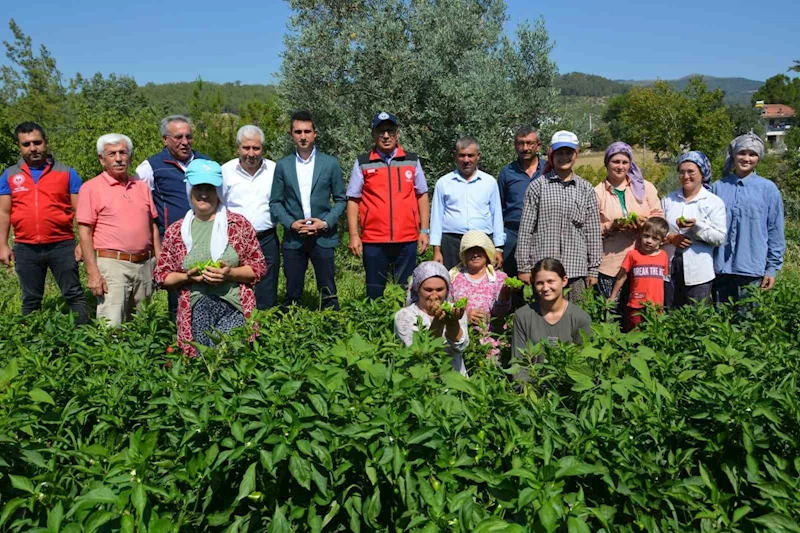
(378, 257)
(32, 262)
(295, 263)
(267, 288)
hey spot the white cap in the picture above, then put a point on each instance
(563, 139)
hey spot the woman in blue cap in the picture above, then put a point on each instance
(212, 258)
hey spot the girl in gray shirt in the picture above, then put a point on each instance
(551, 318)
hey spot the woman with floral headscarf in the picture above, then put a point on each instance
(429, 288)
(753, 250)
(624, 192)
(696, 219)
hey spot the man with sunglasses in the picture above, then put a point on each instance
(164, 173)
(387, 197)
(38, 197)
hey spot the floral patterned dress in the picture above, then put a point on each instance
(242, 238)
(483, 294)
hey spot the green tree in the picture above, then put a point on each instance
(657, 116)
(446, 69)
(709, 127)
(671, 121)
(745, 118)
(31, 85)
(214, 129)
(779, 89)
(613, 116)
(268, 115)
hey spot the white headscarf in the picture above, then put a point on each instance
(219, 232)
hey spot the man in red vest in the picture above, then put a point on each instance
(38, 197)
(387, 196)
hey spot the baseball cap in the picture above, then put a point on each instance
(204, 171)
(383, 116)
(563, 139)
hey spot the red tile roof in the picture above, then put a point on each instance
(777, 111)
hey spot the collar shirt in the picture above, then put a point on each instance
(249, 195)
(513, 182)
(305, 178)
(460, 206)
(708, 232)
(144, 171)
(755, 242)
(560, 219)
(356, 184)
(121, 214)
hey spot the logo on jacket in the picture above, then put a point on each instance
(409, 175)
(19, 181)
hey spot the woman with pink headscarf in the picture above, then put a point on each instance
(622, 193)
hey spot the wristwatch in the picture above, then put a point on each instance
(324, 226)
(426, 231)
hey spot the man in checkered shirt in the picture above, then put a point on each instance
(560, 219)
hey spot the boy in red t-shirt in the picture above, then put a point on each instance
(648, 267)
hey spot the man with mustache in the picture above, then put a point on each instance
(388, 209)
(38, 197)
(465, 199)
(513, 181)
(164, 173)
(246, 189)
(305, 184)
(119, 233)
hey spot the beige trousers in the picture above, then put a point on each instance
(129, 284)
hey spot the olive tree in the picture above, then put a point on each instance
(445, 68)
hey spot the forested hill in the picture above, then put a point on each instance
(580, 84)
(737, 90)
(175, 96)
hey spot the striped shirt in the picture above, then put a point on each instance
(560, 219)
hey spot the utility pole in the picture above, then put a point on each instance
(644, 151)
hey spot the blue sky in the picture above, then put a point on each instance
(156, 41)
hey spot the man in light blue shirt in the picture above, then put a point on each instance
(753, 251)
(463, 200)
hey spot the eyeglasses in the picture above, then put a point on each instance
(690, 173)
(181, 137)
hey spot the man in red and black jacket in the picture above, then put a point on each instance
(387, 197)
(38, 196)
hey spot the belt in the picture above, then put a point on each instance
(124, 256)
(265, 233)
(512, 225)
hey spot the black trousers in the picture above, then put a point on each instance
(267, 288)
(32, 262)
(295, 263)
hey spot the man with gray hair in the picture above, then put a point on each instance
(463, 200)
(246, 188)
(164, 174)
(119, 234)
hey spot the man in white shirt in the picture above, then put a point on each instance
(246, 187)
(308, 197)
(465, 199)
